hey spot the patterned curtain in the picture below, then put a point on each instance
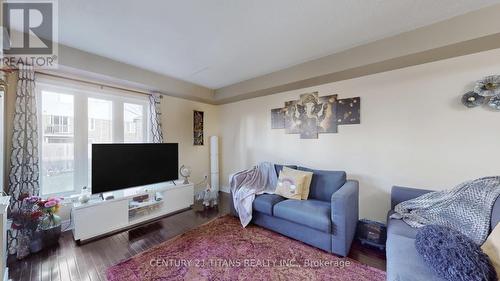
(155, 117)
(24, 173)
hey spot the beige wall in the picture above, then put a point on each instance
(177, 122)
(413, 131)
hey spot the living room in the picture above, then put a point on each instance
(261, 140)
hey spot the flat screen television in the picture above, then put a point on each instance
(118, 166)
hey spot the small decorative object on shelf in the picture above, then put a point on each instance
(84, 195)
(185, 172)
(372, 233)
(208, 196)
(486, 91)
(141, 198)
(158, 196)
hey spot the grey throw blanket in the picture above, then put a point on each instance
(248, 183)
(466, 208)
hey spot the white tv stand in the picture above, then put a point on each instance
(99, 217)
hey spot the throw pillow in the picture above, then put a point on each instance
(290, 185)
(307, 182)
(452, 255)
(492, 248)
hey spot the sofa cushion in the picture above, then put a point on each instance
(399, 227)
(307, 181)
(264, 203)
(311, 213)
(278, 168)
(290, 185)
(324, 183)
(403, 261)
(452, 255)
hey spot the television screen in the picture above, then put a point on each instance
(118, 166)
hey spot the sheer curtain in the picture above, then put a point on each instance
(24, 162)
(155, 117)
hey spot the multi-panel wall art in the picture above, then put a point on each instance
(311, 115)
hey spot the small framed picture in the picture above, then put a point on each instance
(197, 127)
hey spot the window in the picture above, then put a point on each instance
(58, 158)
(75, 117)
(133, 119)
(100, 113)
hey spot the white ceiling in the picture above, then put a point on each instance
(221, 42)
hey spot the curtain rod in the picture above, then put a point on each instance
(94, 83)
(88, 82)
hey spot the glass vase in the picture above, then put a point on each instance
(50, 221)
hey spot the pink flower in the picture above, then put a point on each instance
(32, 199)
(56, 199)
(50, 204)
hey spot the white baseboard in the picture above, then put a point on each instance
(225, 189)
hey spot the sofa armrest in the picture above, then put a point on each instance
(400, 194)
(345, 216)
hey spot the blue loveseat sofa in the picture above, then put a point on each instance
(327, 220)
(403, 261)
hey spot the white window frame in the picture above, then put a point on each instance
(81, 92)
(92, 125)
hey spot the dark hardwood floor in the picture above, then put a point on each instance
(89, 261)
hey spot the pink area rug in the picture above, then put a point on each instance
(223, 250)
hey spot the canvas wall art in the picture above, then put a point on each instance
(291, 126)
(197, 127)
(328, 122)
(278, 118)
(348, 111)
(311, 115)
